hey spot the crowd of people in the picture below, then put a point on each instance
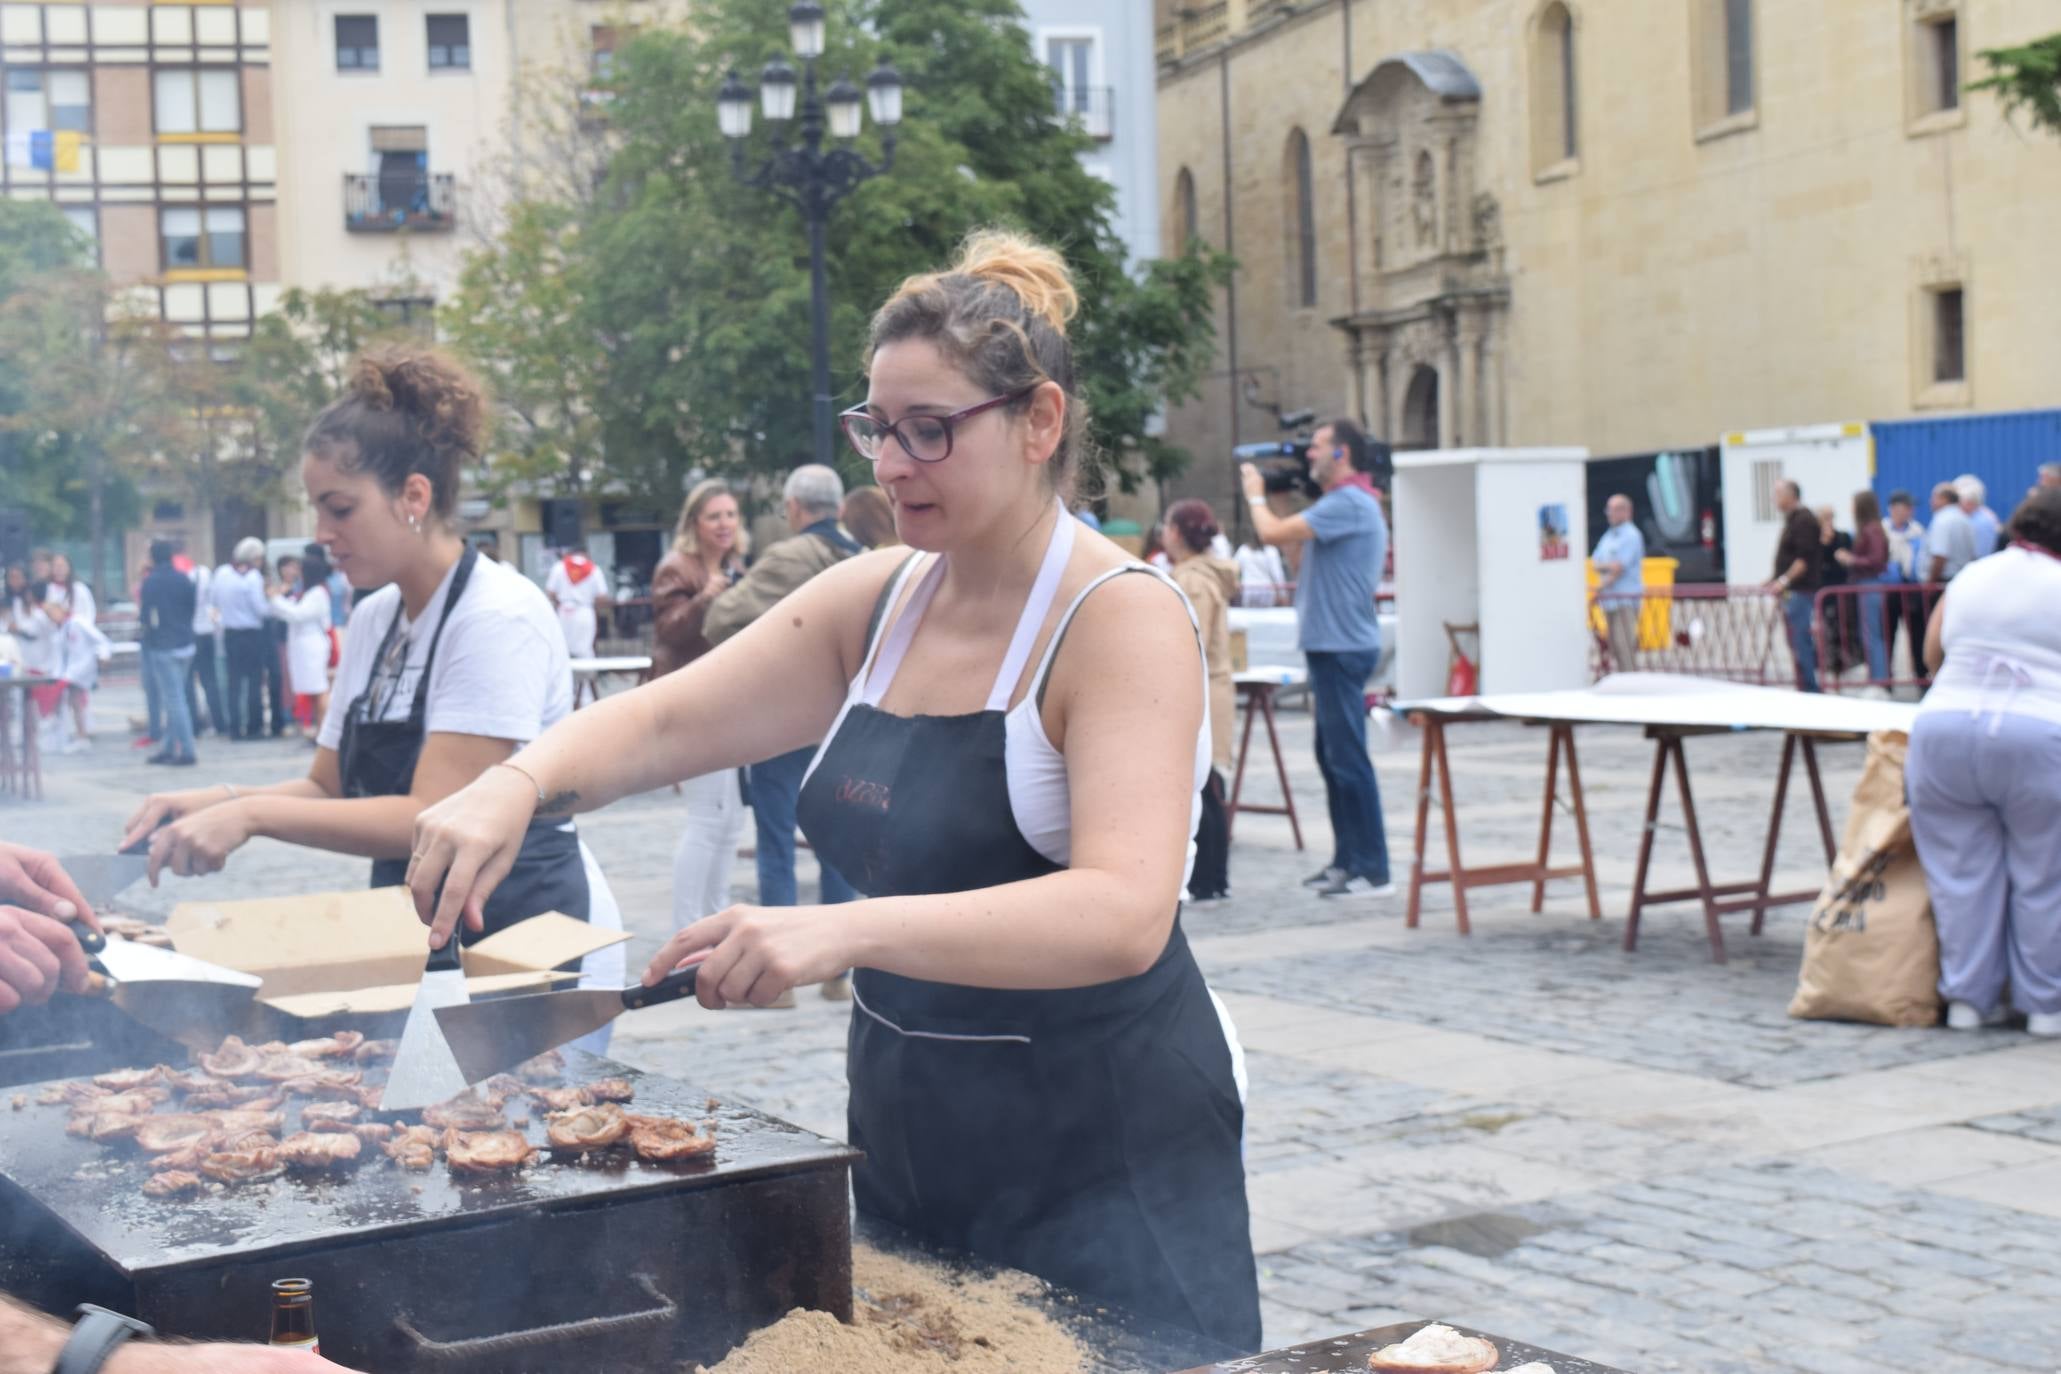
(271, 631)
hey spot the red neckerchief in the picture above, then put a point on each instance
(1363, 482)
(2031, 547)
(578, 567)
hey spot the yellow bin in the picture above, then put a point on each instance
(1656, 620)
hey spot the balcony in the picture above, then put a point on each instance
(1195, 27)
(1092, 107)
(375, 204)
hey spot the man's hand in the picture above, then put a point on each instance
(1254, 484)
(33, 879)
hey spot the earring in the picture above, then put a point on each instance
(415, 524)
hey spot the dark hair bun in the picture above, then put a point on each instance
(405, 410)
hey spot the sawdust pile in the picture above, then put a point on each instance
(912, 1318)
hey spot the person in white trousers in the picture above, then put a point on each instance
(707, 557)
(1984, 778)
(575, 585)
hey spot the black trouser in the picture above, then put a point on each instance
(1212, 875)
(247, 650)
(275, 675)
(202, 672)
(1908, 608)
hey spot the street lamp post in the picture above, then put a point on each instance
(810, 176)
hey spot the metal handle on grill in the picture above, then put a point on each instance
(478, 1349)
(670, 988)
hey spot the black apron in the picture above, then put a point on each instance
(377, 759)
(1090, 1136)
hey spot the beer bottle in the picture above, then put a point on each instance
(293, 1315)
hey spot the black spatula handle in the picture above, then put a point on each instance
(670, 988)
(90, 940)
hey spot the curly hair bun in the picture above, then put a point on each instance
(445, 403)
(1034, 272)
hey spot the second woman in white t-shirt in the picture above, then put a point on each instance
(450, 667)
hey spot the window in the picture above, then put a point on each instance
(450, 42)
(1071, 61)
(410, 314)
(357, 42)
(1738, 56)
(85, 219)
(1554, 139)
(1949, 337)
(1299, 200)
(1185, 223)
(1935, 59)
(1721, 77)
(194, 237)
(41, 100)
(198, 100)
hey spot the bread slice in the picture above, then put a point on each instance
(1436, 1349)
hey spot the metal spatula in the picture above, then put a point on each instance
(487, 1037)
(424, 1071)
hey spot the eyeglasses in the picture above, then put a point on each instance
(926, 438)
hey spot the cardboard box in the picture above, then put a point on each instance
(353, 959)
(1238, 652)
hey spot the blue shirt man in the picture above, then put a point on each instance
(1344, 538)
(1620, 556)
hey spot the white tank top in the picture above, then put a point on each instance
(1038, 797)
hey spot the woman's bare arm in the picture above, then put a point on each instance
(1935, 642)
(770, 689)
(1127, 697)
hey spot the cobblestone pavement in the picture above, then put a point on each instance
(1636, 1158)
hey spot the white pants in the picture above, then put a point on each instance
(578, 624)
(708, 846)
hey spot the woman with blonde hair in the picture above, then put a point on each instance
(707, 558)
(1014, 745)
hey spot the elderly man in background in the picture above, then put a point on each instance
(814, 496)
(237, 592)
(1950, 544)
(2050, 476)
(1981, 519)
(1621, 581)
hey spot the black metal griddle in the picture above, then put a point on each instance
(606, 1262)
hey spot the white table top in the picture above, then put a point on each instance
(1685, 702)
(1270, 675)
(628, 663)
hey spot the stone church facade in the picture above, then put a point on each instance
(1629, 224)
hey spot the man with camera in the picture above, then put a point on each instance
(1344, 539)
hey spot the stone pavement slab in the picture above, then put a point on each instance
(1635, 1157)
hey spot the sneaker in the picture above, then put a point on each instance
(1210, 899)
(838, 989)
(1329, 877)
(76, 746)
(162, 756)
(185, 761)
(142, 742)
(1354, 885)
(2044, 1023)
(1967, 1016)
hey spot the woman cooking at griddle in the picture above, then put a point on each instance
(1015, 740)
(447, 669)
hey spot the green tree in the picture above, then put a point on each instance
(2027, 81)
(679, 299)
(74, 381)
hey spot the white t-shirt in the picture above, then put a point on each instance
(2002, 638)
(501, 668)
(575, 596)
